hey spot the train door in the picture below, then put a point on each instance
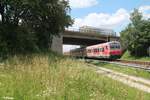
(106, 50)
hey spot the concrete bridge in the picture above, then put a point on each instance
(80, 38)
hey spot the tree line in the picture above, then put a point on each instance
(29, 25)
(136, 36)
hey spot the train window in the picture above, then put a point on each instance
(99, 49)
(118, 46)
(102, 49)
(95, 50)
(89, 51)
(111, 46)
(115, 46)
(106, 47)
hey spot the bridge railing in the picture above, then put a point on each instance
(72, 29)
(92, 32)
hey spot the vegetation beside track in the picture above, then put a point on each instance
(47, 76)
(136, 36)
(127, 56)
(126, 70)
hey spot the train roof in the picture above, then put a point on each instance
(77, 49)
(102, 44)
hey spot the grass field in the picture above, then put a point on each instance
(51, 77)
(127, 56)
(125, 70)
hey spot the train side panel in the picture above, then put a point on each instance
(99, 51)
(106, 50)
(80, 52)
(110, 50)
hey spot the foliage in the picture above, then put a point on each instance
(29, 25)
(136, 37)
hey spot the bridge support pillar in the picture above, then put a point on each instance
(57, 44)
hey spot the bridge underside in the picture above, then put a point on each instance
(78, 38)
(81, 41)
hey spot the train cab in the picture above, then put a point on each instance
(115, 50)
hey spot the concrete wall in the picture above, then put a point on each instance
(57, 45)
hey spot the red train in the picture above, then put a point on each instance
(109, 50)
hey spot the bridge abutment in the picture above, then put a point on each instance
(57, 44)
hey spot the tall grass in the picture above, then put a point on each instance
(51, 77)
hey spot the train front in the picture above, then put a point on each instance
(115, 50)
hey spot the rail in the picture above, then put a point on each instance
(145, 65)
(136, 64)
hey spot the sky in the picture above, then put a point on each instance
(111, 14)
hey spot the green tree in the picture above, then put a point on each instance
(136, 37)
(29, 25)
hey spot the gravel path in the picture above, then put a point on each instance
(132, 81)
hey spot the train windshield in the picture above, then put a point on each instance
(114, 46)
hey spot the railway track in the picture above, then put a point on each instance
(138, 64)
(146, 63)
(132, 81)
(130, 63)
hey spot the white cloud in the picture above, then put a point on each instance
(145, 10)
(146, 16)
(82, 3)
(116, 20)
(103, 20)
